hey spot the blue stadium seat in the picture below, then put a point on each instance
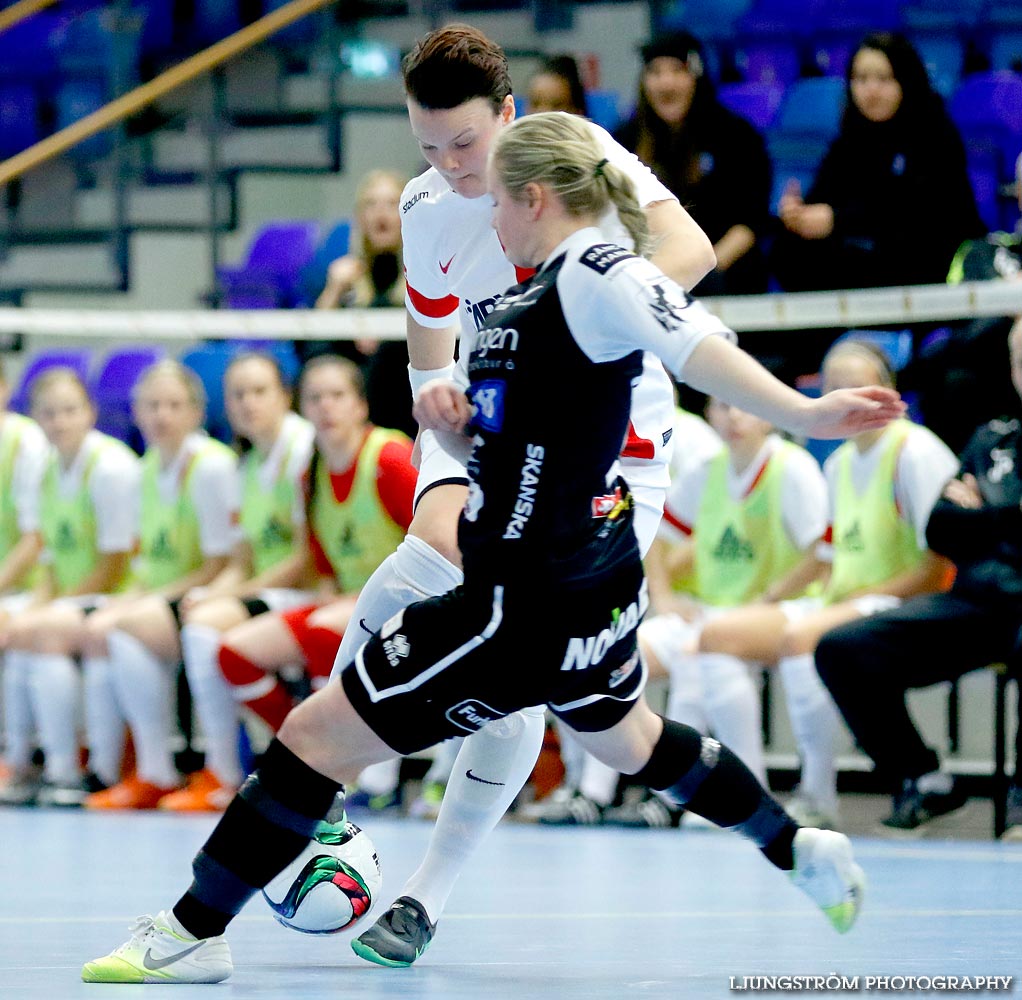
(25, 52)
(78, 359)
(709, 20)
(209, 362)
(313, 275)
(1005, 49)
(75, 100)
(927, 15)
(806, 123)
(943, 53)
(213, 20)
(603, 107)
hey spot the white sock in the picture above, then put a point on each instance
(145, 692)
(444, 757)
(572, 755)
(490, 770)
(18, 719)
(55, 685)
(815, 723)
(215, 706)
(413, 571)
(378, 779)
(733, 709)
(685, 693)
(104, 723)
(598, 781)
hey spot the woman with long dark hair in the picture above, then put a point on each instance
(712, 159)
(891, 201)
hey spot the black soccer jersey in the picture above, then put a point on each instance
(551, 374)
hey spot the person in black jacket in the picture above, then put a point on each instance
(891, 202)
(869, 665)
(712, 159)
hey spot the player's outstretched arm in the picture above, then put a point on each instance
(721, 369)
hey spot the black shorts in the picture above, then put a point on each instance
(447, 666)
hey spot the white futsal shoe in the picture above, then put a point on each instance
(156, 953)
(825, 870)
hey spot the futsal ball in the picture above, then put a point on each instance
(331, 885)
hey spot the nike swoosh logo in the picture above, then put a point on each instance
(482, 781)
(446, 267)
(365, 628)
(158, 963)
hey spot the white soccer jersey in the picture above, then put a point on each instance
(455, 270)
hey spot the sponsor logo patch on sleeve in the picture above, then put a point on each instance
(603, 256)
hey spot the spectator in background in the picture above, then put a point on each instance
(960, 374)
(371, 276)
(712, 159)
(891, 202)
(870, 665)
(557, 86)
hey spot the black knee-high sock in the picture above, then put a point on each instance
(266, 826)
(706, 778)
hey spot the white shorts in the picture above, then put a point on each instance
(437, 465)
(799, 608)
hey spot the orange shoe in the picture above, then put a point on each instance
(203, 793)
(132, 793)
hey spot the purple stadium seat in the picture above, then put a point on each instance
(758, 103)
(79, 360)
(270, 276)
(19, 118)
(112, 388)
(776, 61)
(987, 107)
(313, 275)
(25, 53)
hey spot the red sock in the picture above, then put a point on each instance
(321, 645)
(270, 700)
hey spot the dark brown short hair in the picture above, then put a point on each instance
(455, 64)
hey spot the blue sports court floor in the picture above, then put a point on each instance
(540, 913)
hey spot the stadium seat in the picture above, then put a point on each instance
(269, 276)
(938, 14)
(831, 56)
(74, 100)
(709, 20)
(758, 103)
(806, 123)
(213, 20)
(25, 52)
(112, 390)
(987, 107)
(79, 360)
(19, 118)
(1006, 50)
(312, 277)
(896, 344)
(775, 61)
(209, 362)
(943, 55)
(602, 107)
